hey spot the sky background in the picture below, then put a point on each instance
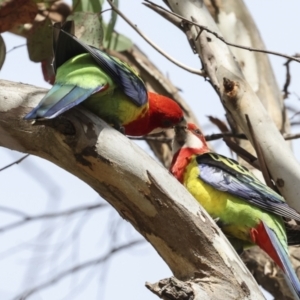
(30, 254)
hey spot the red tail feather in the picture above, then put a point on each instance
(261, 238)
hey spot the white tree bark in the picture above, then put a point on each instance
(239, 98)
(142, 191)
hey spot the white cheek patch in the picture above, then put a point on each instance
(192, 141)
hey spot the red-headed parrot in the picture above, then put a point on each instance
(246, 209)
(106, 86)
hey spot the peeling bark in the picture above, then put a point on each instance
(142, 191)
(267, 274)
(238, 27)
(221, 67)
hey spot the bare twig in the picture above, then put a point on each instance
(15, 162)
(217, 136)
(291, 136)
(244, 154)
(287, 80)
(77, 268)
(177, 63)
(159, 139)
(288, 77)
(219, 123)
(27, 219)
(293, 58)
(209, 137)
(15, 47)
(13, 211)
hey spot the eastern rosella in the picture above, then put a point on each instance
(246, 209)
(106, 86)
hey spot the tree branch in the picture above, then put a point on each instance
(68, 212)
(162, 11)
(239, 98)
(15, 162)
(91, 263)
(163, 53)
(140, 189)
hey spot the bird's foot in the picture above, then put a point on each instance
(219, 222)
(118, 126)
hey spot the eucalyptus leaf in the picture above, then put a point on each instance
(94, 6)
(39, 40)
(118, 42)
(2, 51)
(111, 25)
(88, 28)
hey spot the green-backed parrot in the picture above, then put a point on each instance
(106, 86)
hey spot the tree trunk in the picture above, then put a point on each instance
(142, 191)
(238, 97)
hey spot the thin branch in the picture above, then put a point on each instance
(291, 136)
(52, 215)
(293, 58)
(294, 115)
(159, 139)
(15, 47)
(216, 136)
(177, 63)
(244, 154)
(13, 211)
(77, 268)
(288, 78)
(15, 162)
(209, 137)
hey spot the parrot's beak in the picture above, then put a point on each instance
(181, 132)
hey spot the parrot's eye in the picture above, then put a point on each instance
(197, 131)
(167, 123)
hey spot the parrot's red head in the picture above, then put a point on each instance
(162, 113)
(188, 141)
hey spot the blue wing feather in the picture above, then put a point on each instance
(228, 175)
(59, 99)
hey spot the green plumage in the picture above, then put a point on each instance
(236, 216)
(247, 211)
(110, 103)
(82, 71)
(84, 74)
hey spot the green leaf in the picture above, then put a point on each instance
(88, 28)
(2, 51)
(111, 25)
(94, 6)
(118, 42)
(39, 41)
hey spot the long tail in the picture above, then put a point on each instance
(59, 99)
(267, 239)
